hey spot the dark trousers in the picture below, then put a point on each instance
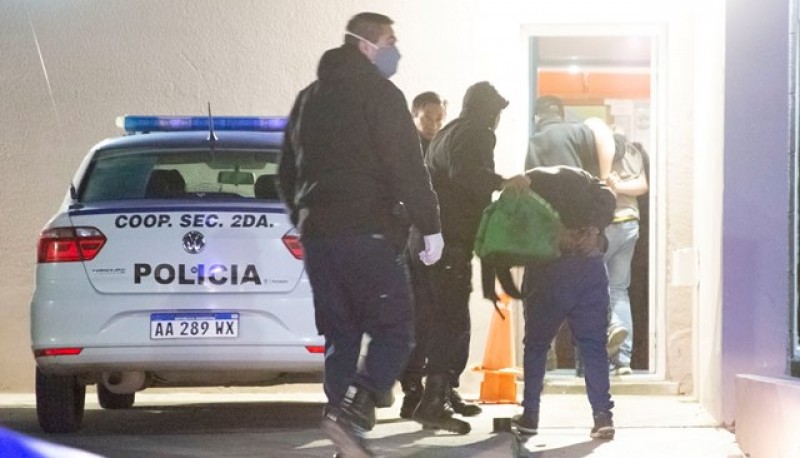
(360, 285)
(575, 289)
(449, 333)
(423, 300)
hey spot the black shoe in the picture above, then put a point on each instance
(412, 390)
(434, 409)
(528, 426)
(460, 407)
(603, 426)
(359, 407)
(410, 403)
(384, 399)
(348, 438)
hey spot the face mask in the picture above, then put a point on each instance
(386, 58)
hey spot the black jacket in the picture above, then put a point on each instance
(558, 142)
(580, 199)
(460, 159)
(351, 152)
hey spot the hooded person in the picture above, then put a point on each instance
(461, 163)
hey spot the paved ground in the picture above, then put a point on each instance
(283, 422)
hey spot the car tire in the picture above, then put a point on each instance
(109, 400)
(60, 402)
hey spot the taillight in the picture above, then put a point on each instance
(315, 349)
(67, 351)
(69, 244)
(292, 242)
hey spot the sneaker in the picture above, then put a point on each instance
(525, 425)
(603, 426)
(622, 370)
(616, 336)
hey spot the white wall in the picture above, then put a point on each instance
(106, 58)
(709, 102)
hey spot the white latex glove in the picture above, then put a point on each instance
(434, 244)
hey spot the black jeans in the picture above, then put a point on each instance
(360, 285)
(449, 333)
(423, 302)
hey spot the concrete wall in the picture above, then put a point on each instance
(106, 58)
(709, 102)
(766, 416)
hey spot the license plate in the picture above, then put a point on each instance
(196, 325)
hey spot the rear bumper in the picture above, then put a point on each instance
(230, 358)
(113, 331)
(72, 314)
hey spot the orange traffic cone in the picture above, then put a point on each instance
(499, 384)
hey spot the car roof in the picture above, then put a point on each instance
(193, 139)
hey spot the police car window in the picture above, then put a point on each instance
(178, 175)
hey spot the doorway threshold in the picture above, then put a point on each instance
(564, 381)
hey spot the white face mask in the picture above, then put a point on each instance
(386, 58)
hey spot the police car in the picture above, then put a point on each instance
(170, 263)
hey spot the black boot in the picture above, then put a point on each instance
(412, 394)
(434, 409)
(345, 425)
(384, 399)
(467, 409)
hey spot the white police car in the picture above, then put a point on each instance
(170, 263)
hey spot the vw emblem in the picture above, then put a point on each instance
(194, 242)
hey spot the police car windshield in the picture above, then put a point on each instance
(180, 174)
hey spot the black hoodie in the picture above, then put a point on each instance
(351, 153)
(460, 159)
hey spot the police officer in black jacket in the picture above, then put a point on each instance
(461, 162)
(351, 153)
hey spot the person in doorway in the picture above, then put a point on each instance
(461, 162)
(350, 155)
(572, 288)
(429, 111)
(628, 181)
(588, 145)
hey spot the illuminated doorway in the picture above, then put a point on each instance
(612, 73)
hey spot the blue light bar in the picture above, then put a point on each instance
(133, 124)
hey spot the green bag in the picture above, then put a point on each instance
(519, 228)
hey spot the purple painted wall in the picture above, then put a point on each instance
(755, 254)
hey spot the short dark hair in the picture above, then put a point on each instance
(429, 97)
(366, 25)
(549, 106)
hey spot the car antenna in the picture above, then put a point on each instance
(73, 194)
(212, 137)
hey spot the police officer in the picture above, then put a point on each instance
(351, 153)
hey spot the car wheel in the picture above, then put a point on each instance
(109, 400)
(60, 402)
